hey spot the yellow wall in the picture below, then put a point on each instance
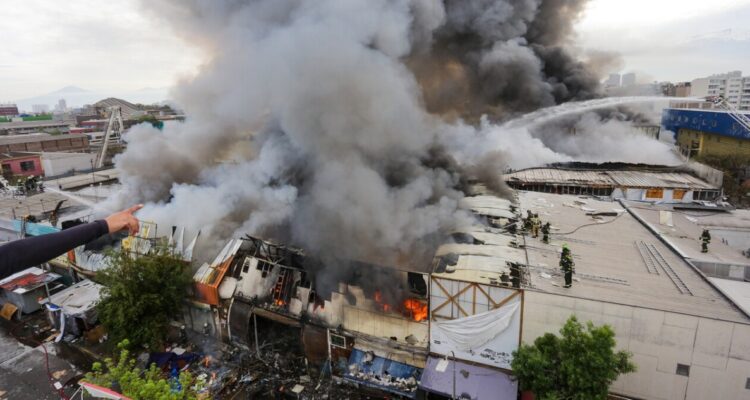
(712, 144)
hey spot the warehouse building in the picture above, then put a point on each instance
(657, 185)
(42, 142)
(707, 132)
(27, 127)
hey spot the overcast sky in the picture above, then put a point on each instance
(111, 47)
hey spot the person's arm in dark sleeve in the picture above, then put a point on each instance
(24, 253)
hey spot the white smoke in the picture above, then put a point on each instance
(306, 125)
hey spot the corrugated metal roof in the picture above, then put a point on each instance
(611, 178)
(561, 176)
(36, 137)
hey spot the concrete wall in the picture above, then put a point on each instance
(718, 352)
(61, 143)
(59, 165)
(708, 174)
(724, 270)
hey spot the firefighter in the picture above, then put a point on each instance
(545, 232)
(705, 240)
(535, 225)
(567, 265)
(527, 221)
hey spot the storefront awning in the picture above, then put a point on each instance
(472, 382)
(367, 369)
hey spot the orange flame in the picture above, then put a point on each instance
(416, 309)
(385, 307)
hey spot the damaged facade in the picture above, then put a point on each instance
(466, 309)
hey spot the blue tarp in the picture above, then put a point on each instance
(472, 381)
(383, 374)
(33, 229)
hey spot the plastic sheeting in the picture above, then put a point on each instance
(476, 330)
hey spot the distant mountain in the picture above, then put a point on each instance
(76, 97)
(69, 89)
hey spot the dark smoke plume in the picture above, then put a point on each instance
(323, 124)
(501, 57)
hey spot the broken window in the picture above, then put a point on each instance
(265, 267)
(338, 341)
(417, 284)
(683, 370)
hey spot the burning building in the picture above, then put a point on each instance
(381, 326)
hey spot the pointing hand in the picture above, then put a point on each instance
(124, 220)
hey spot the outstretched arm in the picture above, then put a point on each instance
(23, 253)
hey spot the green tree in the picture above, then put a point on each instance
(578, 365)
(141, 295)
(124, 377)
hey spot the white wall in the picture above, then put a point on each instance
(54, 164)
(699, 87)
(718, 352)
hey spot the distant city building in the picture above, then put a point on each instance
(701, 132)
(62, 105)
(668, 89)
(613, 80)
(679, 89)
(682, 89)
(8, 110)
(628, 79)
(731, 85)
(39, 108)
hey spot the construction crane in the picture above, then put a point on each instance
(737, 116)
(114, 125)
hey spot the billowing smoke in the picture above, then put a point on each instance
(497, 58)
(324, 123)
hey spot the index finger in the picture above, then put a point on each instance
(134, 208)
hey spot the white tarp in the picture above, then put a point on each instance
(476, 330)
(99, 392)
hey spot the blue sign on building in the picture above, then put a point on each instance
(716, 122)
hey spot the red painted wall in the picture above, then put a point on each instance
(15, 165)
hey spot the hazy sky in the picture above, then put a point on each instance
(110, 46)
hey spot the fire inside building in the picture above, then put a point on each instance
(449, 329)
(398, 338)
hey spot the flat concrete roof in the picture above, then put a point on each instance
(84, 180)
(686, 229)
(609, 266)
(32, 205)
(739, 291)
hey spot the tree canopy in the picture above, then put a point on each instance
(124, 377)
(141, 295)
(580, 364)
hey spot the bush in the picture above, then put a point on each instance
(141, 295)
(124, 377)
(579, 365)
